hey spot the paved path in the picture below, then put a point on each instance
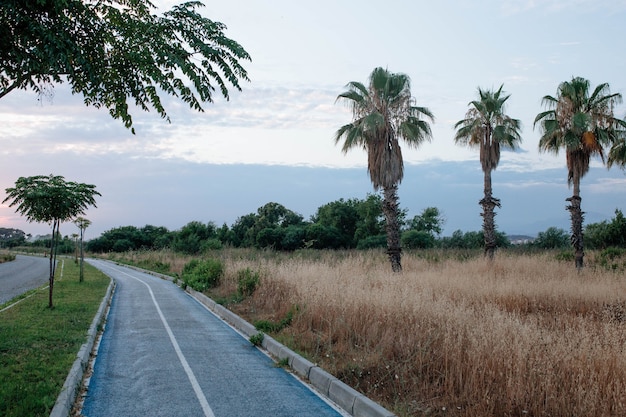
(21, 275)
(164, 354)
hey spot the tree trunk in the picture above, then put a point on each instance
(392, 227)
(577, 216)
(82, 256)
(53, 261)
(489, 203)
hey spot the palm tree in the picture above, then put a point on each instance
(583, 125)
(383, 113)
(489, 129)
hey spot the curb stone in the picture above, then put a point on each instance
(350, 400)
(66, 398)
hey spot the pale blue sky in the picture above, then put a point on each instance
(273, 141)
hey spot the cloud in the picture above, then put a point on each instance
(512, 7)
(607, 186)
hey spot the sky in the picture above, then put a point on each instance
(274, 140)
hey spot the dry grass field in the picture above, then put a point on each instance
(522, 336)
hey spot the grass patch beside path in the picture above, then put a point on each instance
(38, 345)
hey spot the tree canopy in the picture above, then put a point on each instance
(117, 53)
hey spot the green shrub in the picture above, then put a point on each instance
(417, 239)
(247, 282)
(268, 326)
(202, 275)
(372, 242)
(566, 256)
(257, 339)
(610, 258)
(211, 244)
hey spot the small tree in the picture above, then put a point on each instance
(75, 240)
(82, 223)
(52, 200)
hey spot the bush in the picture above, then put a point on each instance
(372, 242)
(610, 258)
(202, 275)
(552, 238)
(417, 239)
(211, 244)
(247, 282)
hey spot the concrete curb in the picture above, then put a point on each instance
(350, 400)
(66, 398)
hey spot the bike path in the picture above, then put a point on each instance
(164, 354)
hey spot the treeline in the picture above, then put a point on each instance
(342, 224)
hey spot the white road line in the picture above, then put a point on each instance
(208, 412)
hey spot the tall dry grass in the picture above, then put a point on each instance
(522, 336)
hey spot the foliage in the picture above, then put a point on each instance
(257, 339)
(51, 199)
(202, 275)
(372, 242)
(319, 236)
(606, 234)
(194, 237)
(417, 239)
(10, 238)
(430, 220)
(552, 238)
(115, 53)
(130, 238)
(383, 113)
(269, 326)
(247, 282)
(613, 259)
(471, 240)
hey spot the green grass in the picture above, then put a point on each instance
(38, 345)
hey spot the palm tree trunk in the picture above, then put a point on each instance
(489, 203)
(392, 227)
(577, 216)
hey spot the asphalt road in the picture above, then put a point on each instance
(165, 354)
(21, 275)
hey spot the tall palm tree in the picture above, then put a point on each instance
(488, 128)
(383, 113)
(583, 125)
